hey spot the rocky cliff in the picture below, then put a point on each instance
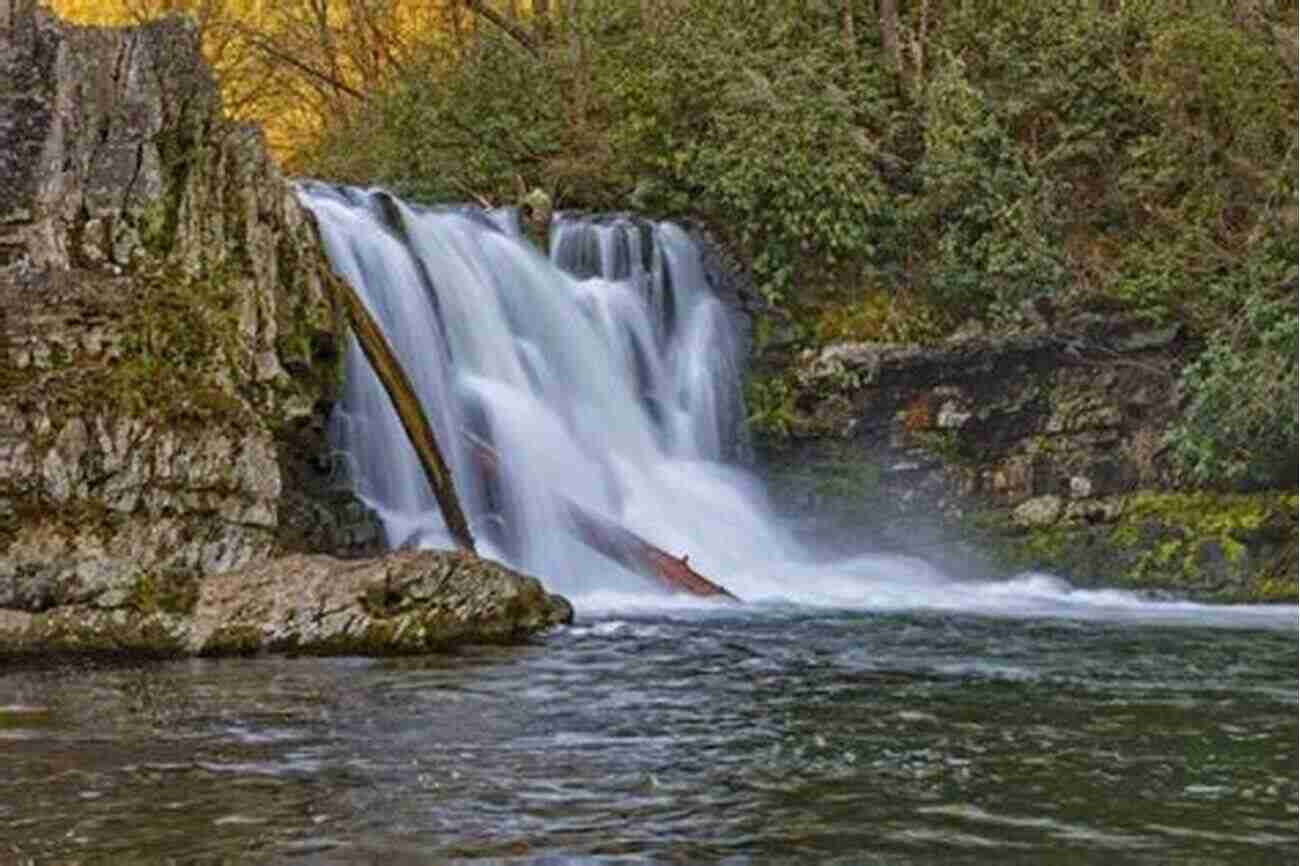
(1039, 450)
(169, 339)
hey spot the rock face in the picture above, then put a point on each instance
(170, 344)
(406, 602)
(167, 341)
(1041, 450)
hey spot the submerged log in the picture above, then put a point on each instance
(407, 404)
(638, 555)
(617, 542)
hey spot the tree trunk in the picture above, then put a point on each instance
(619, 544)
(638, 555)
(578, 62)
(411, 414)
(919, 40)
(889, 39)
(542, 19)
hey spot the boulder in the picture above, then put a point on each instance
(405, 602)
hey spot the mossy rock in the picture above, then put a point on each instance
(1210, 546)
(101, 633)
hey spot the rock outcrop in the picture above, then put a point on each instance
(1039, 450)
(170, 341)
(404, 603)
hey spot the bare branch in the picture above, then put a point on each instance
(270, 50)
(512, 29)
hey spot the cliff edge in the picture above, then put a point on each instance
(170, 345)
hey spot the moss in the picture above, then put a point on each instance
(235, 639)
(75, 518)
(1214, 539)
(81, 631)
(175, 593)
(1224, 547)
(152, 224)
(179, 347)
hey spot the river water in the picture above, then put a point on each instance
(858, 709)
(683, 734)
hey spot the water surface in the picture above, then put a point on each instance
(783, 734)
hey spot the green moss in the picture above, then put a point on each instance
(173, 593)
(1224, 547)
(81, 631)
(1207, 538)
(180, 349)
(235, 639)
(152, 225)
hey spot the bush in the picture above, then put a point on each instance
(1239, 427)
(996, 242)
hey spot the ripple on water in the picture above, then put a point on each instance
(828, 737)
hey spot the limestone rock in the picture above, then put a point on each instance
(403, 603)
(158, 280)
(1040, 444)
(406, 602)
(169, 353)
(1039, 511)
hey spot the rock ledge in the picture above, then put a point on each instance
(407, 602)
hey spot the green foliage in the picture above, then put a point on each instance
(771, 407)
(757, 125)
(878, 316)
(1240, 423)
(994, 247)
(1141, 154)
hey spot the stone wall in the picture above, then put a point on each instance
(168, 343)
(1042, 450)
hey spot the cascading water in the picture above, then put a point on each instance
(613, 385)
(606, 378)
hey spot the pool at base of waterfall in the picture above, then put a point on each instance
(774, 733)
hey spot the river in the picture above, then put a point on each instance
(683, 734)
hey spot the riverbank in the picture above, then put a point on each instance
(1046, 449)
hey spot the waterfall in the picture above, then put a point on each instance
(606, 376)
(603, 376)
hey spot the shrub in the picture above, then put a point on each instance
(1239, 427)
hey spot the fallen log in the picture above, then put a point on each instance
(640, 556)
(616, 542)
(407, 404)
